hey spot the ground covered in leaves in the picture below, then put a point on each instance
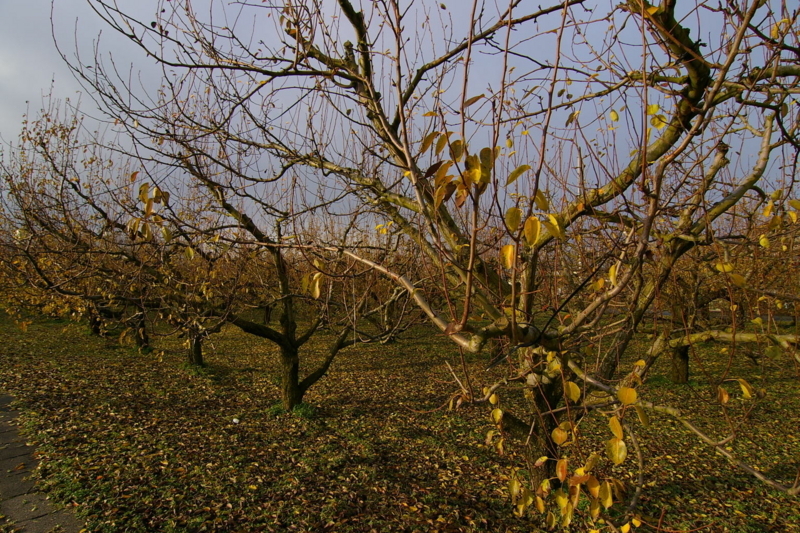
(142, 442)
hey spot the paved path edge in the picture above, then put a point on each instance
(25, 509)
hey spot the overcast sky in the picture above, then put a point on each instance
(29, 62)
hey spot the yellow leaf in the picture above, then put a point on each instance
(758, 321)
(441, 177)
(509, 142)
(532, 230)
(615, 426)
(652, 10)
(555, 228)
(793, 216)
(573, 391)
(616, 450)
(626, 395)
(641, 363)
(778, 28)
(594, 509)
(442, 142)
(488, 157)
(472, 100)
(724, 267)
(541, 201)
(471, 176)
(497, 415)
(514, 488)
(775, 222)
(606, 496)
(559, 436)
(614, 116)
(430, 114)
(494, 399)
(747, 390)
(427, 142)
(316, 285)
(738, 280)
(550, 521)
(508, 255)
(561, 498)
(659, 122)
(561, 469)
(540, 505)
(722, 395)
(636, 522)
(593, 486)
(516, 173)
(513, 218)
(625, 528)
(598, 284)
(644, 418)
(566, 515)
(133, 176)
(571, 118)
(612, 274)
(795, 204)
(768, 209)
(652, 109)
(591, 462)
(764, 241)
(457, 149)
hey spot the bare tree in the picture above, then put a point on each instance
(89, 231)
(553, 164)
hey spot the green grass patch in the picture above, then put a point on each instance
(141, 442)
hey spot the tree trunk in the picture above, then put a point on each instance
(680, 365)
(539, 440)
(95, 322)
(196, 349)
(140, 331)
(541, 445)
(291, 391)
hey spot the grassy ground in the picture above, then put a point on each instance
(144, 443)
